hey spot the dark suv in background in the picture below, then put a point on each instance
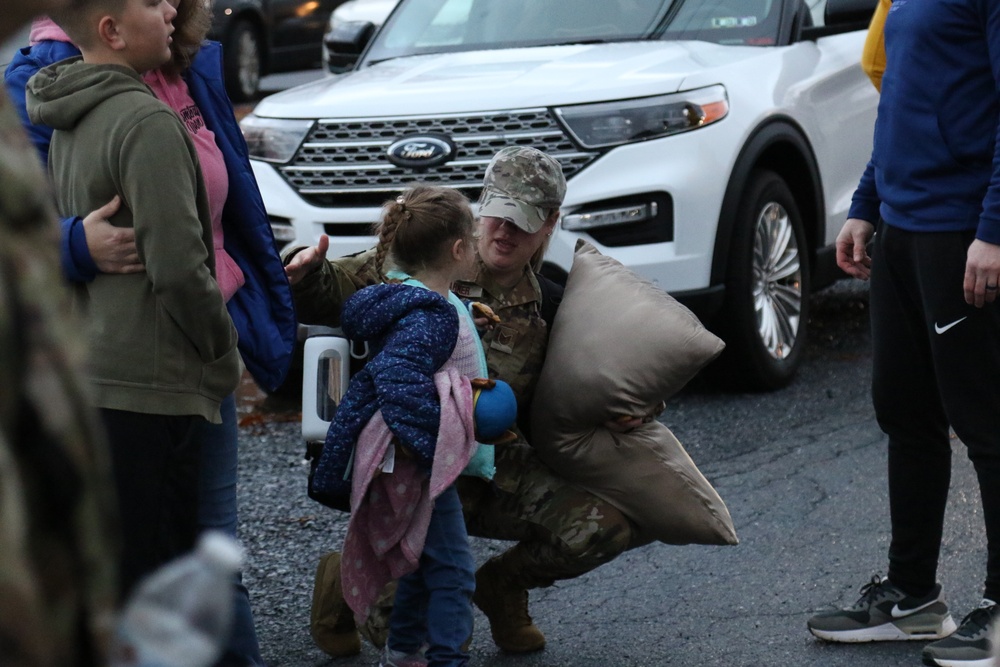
(266, 36)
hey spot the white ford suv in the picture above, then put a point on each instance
(712, 146)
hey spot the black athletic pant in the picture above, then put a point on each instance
(155, 465)
(936, 363)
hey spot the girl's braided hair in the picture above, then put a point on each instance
(418, 227)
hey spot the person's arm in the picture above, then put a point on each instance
(982, 267)
(16, 81)
(873, 55)
(320, 287)
(852, 241)
(92, 245)
(302, 261)
(865, 203)
(74, 257)
(159, 177)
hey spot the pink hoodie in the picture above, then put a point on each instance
(45, 29)
(173, 91)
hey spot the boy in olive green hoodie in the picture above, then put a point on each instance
(162, 349)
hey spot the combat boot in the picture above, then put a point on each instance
(376, 627)
(505, 605)
(343, 640)
(331, 621)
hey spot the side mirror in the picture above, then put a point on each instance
(849, 12)
(841, 16)
(346, 42)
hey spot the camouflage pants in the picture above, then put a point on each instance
(561, 530)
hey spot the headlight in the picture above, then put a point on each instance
(615, 123)
(606, 217)
(274, 139)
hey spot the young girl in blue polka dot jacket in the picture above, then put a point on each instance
(418, 333)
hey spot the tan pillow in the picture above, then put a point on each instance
(620, 345)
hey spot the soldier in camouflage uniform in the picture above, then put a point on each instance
(57, 526)
(561, 530)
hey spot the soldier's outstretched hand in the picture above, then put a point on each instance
(307, 260)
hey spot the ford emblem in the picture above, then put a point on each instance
(420, 151)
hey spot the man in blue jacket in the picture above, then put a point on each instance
(929, 203)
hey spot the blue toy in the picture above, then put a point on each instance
(494, 410)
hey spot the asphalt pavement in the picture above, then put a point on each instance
(802, 471)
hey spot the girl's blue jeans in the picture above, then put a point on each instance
(434, 604)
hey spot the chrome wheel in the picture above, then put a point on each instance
(248, 51)
(243, 57)
(777, 280)
(767, 287)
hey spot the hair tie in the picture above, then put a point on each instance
(402, 205)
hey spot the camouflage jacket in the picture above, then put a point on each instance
(57, 545)
(515, 348)
(319, 296)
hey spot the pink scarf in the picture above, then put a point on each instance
(390, 512)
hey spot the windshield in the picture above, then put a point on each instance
(433, 26)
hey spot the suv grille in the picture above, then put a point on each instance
(343, 162)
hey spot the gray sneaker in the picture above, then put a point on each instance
(885, 613)
(971, 645)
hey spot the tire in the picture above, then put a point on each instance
(767, 288)
(242, 58)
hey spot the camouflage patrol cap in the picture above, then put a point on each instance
(521, 185)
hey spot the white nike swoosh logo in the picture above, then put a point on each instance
(901, 613)
(941, 330)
